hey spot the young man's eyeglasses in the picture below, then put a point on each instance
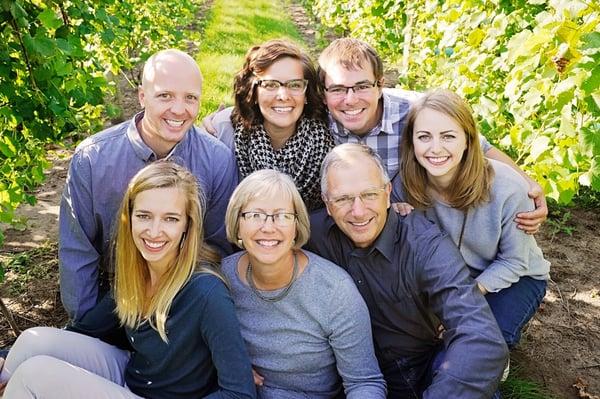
(281, 219)
(295, 86)
(359, 88)
(367, 196)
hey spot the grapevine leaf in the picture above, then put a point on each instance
(49, 19)
(593, 82)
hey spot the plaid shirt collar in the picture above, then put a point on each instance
(390, 116)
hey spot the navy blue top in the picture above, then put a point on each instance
(411, 278)
(205, 355)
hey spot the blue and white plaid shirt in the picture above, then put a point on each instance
(383, 138)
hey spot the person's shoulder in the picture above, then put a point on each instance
(223, 116)
(401, 95)
(200, 138)
(229, 263)
(325, 267)
(507, 180)
(202, 285)
(418, 225)
(103, 139)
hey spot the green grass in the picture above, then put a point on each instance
(232, 27)
(516, 387)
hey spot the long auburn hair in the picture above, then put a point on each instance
(258, 60)
(133, 305)
(472, 182)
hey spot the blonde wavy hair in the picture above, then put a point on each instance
(471, 184)
(133, 305)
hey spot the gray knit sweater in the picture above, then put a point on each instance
(304, 342)
(492, 244)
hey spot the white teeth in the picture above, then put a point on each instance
(174, 123)
(282, 109)
(154, 245)
(437, 160)
(267, 243)
(353, 111)
(360, 224)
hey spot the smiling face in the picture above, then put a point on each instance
(363, 219)
(170, 95)
(268, 243)
(439, 143)
(359, 113)
(158, 221)
(281, 109)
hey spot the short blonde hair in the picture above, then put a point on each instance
(265, 183)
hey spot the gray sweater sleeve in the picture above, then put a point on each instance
(352, 343)
(518, 254)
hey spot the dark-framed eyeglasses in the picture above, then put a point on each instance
(295, 86)
(281, 219)
(359, 88)
(367, 196)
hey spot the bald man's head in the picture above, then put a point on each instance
(170, 95)
(167, 60)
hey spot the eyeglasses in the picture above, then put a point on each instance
(295, 86)
(281, 219)
(368, 196)
(359, 88)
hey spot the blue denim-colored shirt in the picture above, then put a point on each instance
(412, 278)
(101, 168)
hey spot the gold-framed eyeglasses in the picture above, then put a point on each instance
(281, 219)
(295, 86)
(367, 196)
(359, 88)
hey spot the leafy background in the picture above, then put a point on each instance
(530, 69)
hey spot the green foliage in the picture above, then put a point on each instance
(530, 69)
(59, 61)
(559, 220)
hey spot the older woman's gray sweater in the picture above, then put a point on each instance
(304, 342)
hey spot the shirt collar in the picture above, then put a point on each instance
(141, 149)
(384, 243)
(385, 125)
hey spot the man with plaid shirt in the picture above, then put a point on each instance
(360, 111)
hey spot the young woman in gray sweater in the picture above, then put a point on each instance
(474, 200)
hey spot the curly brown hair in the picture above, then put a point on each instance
(257, 61)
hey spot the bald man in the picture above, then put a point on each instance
(104, 163)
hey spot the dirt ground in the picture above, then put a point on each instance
(560, 348)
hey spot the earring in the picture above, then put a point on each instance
(240, 243)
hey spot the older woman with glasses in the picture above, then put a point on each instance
(302, 318)
(278, 121)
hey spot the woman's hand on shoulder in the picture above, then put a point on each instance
(402, 208)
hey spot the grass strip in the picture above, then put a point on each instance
(232, 27)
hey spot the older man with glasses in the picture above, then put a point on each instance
(434, 334)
